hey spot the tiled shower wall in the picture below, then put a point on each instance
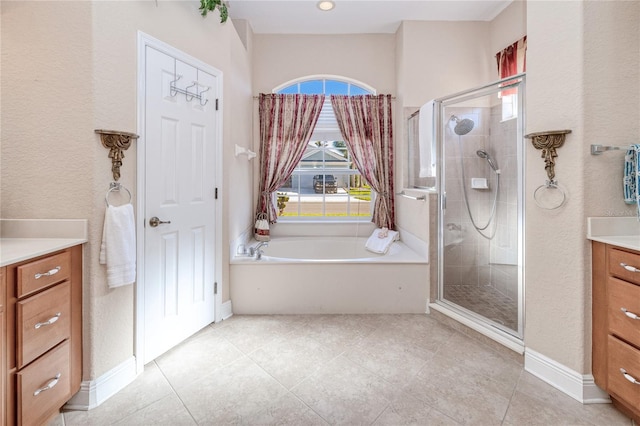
(476, 260)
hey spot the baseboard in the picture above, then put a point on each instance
(226, 310)
(580, 387)
(94, 392)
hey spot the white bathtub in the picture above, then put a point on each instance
(330, 249)
(314, 275)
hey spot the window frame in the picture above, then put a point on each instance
(326, 145)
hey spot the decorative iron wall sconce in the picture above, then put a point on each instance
(117, 143)
(548, 142)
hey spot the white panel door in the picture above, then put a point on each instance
(179, 190)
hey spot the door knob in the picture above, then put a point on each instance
(154, 221)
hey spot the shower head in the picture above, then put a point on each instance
(484, 154)
(463, 126)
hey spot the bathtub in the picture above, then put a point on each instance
(331, 249)
(317, 275)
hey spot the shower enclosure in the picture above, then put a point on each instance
(479, 136)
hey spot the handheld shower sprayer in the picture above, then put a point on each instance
(484, 154)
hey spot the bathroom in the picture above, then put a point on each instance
(579, 77)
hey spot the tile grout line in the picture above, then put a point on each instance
(175, 392)
(515, 387)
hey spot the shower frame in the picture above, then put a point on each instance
(510, 338)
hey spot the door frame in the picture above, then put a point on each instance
(144, 41)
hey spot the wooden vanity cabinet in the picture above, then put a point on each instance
(43, 338)
(3, 337)
(616, 325)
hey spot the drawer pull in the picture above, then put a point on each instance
(49, 321)
(48, 273)
(629, 377)
(48, 386)
(630, 314)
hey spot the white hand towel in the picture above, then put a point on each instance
(376, 244)
(118, 249)
(425, 141)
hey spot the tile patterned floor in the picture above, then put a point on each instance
(486, 301)
(342, 370)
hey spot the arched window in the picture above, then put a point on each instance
(326, 184)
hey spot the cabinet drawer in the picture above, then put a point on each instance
(617, 261)
(627, 358)
(44, 386)
(624, 310)
(3, 288)
(42, 321)
(42, 273)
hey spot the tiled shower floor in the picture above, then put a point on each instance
(486, 301)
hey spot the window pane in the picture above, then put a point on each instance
(312, 87)
(337, 205)
(287, 202)
(325, 195)
(313, 157)
(333, 87)
(341, 149)
(293, 89)
(356, 90)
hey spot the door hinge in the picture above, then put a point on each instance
(215, 288)
(216, 193)
(216, 104)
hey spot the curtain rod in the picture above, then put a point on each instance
(393, 98)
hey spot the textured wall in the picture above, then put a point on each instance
(509, 26)
(582, 75)
(366, 58)
(46, 109)
(555, 249)
(438, 56)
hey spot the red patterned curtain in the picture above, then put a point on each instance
(286, 124)
(512, 60)
(365, 123)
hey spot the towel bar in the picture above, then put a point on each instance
(599, 149)
(420, 198)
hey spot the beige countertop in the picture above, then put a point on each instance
(22, 239)
(618, 231)
(14, 250)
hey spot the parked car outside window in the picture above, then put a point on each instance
(326, 182)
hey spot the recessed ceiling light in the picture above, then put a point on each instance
(326, 5)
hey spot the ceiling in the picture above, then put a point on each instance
(356, 16)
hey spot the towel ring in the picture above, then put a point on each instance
(116, 186)
(550, 184)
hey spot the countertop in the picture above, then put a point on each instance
(22, 239)
(13, 250)
(618, 231)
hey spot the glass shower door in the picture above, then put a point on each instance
(480, 134)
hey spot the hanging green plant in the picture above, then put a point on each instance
(211, 5)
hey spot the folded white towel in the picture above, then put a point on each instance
(425, 141)
(118, 249)
(381, 245)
